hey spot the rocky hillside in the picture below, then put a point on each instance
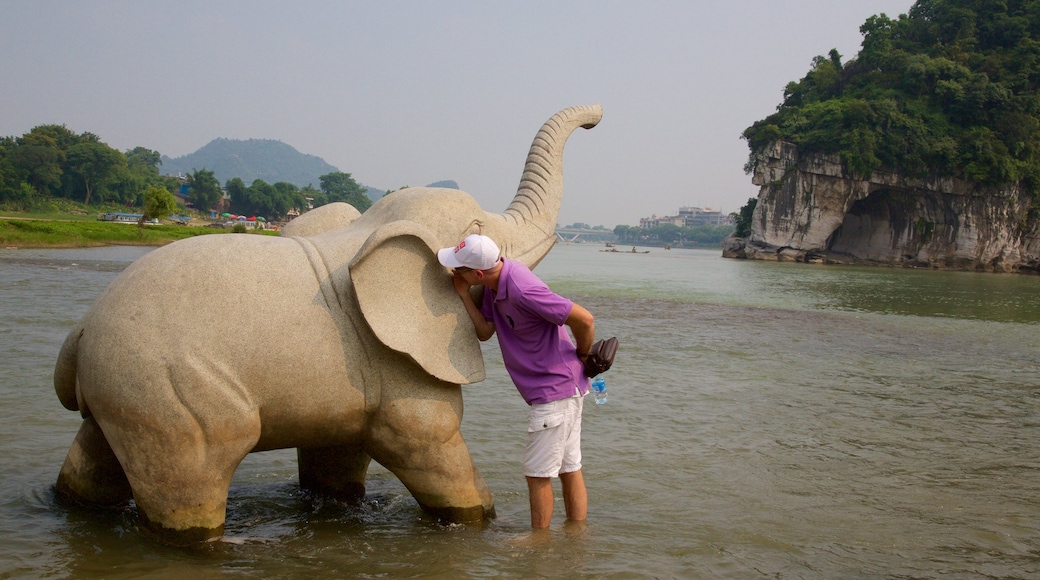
(810, 209)
(922, 150)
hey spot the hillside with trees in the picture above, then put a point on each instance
(52, 161)
(952, 88)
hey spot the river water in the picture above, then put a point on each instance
(764, 420)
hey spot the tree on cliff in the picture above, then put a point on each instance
(742, 228)
(952, 88)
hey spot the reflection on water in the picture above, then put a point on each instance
(764, 420)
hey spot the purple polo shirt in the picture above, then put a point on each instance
(537, 351)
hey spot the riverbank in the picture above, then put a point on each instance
(32, 232)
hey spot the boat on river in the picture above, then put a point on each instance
(614, 250)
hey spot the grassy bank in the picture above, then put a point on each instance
(42, 233)
(37, 233)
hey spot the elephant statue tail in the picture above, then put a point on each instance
(65, 370)
(537, 202)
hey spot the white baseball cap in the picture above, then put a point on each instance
(475, 251)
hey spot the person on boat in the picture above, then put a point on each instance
(545, 366)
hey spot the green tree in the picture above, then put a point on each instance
(951, 89)
(93, 162)
(127, 186)
(707, 235)
(237, 192)
(667, 232)
(10, 177)
(743, 225)
(158, 203)
(257, 198)
(63, 137)
(624, 232)
(286, 197)
(264, 199)
(39, 159)
(144, 160)
(204, 189)
(339, 186)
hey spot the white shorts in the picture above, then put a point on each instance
(553, 438)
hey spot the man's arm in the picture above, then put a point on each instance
(583, 326)
(484, 327)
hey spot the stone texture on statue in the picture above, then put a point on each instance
(344, 338)
(810, 210)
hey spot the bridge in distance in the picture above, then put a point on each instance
(581, 236)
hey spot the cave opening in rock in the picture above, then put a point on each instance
(874, 228)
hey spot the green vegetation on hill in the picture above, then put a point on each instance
(952, 88)
(52, 166)
(52, 162)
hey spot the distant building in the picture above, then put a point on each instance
(688, 217)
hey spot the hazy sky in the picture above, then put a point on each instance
(407, 92)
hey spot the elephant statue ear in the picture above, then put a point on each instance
(408, 301)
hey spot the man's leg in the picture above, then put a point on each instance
(541, 496)
(575, 498)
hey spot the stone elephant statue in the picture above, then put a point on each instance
(342, 338)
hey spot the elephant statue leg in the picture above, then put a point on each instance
(181, 492)
(180, 463)
(446, 483)
(91, 473)
(335, 471)
(420, 442)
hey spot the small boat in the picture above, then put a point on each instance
(122, 218)
(617, 251)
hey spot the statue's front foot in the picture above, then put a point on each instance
(461, 515)
(182, 537)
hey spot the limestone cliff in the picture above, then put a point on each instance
(810, 210)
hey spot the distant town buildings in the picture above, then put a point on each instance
(688, 217)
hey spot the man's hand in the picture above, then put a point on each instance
(485, 328)
(462, 286)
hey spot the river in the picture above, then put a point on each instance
(764, 420)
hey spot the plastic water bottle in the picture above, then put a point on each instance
(599, 388)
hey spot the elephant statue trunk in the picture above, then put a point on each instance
(538, 198)
(363, 352)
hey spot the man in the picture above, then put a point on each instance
(546, 367)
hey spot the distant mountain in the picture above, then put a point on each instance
(266, 159)
(449, 184)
